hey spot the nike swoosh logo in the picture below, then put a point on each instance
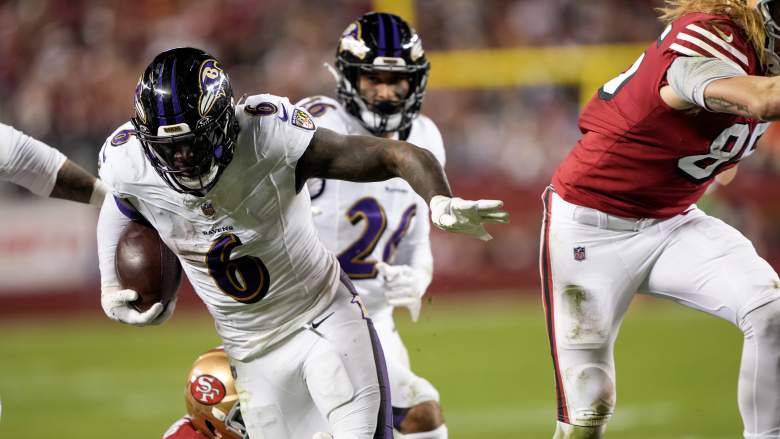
(286, 116)
(315, 325)
(727, 38)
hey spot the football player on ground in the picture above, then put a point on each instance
(212, 401)
(45, 171)
(224, 185)
(213, 409)
(620, 214)
(380, 230)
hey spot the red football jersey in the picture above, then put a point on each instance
(637, 157)
(183, 429)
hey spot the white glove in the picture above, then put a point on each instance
(466, 216)
(116, 305)
(404, 286)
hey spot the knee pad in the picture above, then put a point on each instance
(590, 392)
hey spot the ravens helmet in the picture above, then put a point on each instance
(381, 42)
(211, 397)
(185, 119)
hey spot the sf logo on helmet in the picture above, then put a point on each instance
(207, 389)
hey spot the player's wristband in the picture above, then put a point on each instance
(99, 191)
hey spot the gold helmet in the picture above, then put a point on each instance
(212, 400)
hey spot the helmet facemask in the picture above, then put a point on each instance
(191, 162)
(383, 116)
(770, 14)
(234, 422)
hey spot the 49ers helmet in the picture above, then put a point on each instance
(185, 119)
(381, 42)
(211, 397)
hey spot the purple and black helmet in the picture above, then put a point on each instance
(185, 119)
(383, 42)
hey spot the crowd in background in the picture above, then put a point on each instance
(68, 71)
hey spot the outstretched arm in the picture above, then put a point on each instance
(720, 87)
(749, 96)
(366, 158)
(44, 170)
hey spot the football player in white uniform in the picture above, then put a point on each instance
(380, 230)
(45, 171)
(224, 185)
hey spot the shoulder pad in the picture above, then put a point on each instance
(433, 140)
(318, 106)
(713, 36)
(121, 158)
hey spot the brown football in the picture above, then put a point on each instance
(146, 265)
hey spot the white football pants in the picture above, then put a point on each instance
(406, 389)
(593, 263)
(333, 369)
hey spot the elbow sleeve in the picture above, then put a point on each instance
(690, 76)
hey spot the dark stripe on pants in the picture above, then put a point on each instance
(549, 305)
(384, 420)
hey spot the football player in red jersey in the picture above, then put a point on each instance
(620, 214)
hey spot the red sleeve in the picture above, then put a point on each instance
(183, 429)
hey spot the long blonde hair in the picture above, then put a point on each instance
(744, 15)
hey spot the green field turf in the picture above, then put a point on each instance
(91, 378)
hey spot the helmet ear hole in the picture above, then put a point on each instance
(211, 427)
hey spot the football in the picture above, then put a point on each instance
(145, 264)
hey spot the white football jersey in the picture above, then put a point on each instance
(365, 223)
(28, 162)
(248, 247)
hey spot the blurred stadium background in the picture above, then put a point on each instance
(508, 78)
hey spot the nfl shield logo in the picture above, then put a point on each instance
(207, 208)
(579, 253)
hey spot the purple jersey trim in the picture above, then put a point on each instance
(284, 117)
(128, 210)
